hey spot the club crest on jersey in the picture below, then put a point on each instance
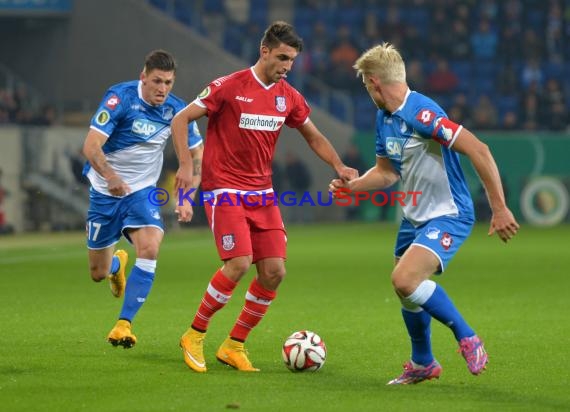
(167, 113)
(446, 240)
(426, 116)
(280, 103)
(228, 242)
(112, 102)
(432, 233)
(102, 118)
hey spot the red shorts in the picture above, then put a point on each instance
(247, 225)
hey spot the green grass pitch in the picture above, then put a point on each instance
(54, 321)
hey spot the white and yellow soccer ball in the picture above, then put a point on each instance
(304, 351)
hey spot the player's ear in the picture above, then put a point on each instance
(142, 77)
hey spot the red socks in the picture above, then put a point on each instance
(217, 294)
(257, 301)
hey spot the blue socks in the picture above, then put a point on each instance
(442, 308)
(432, 298)
(137, 289)
(418, 325)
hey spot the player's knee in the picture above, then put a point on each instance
(148, 250)
(97, 273)
(276, 274)
(272, 277)
(404, 284)
(237, 267)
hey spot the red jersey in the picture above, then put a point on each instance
(245, 117)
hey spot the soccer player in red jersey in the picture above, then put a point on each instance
(246, 111)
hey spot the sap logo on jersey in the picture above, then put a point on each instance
(260, 122)
(145, 128)
(393, 147)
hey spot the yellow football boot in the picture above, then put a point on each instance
(117, 281)
(121, 335)
(234, 354)
(192, 344)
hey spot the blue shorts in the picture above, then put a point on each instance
(109, 217)
(442, 236)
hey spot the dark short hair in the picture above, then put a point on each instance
(159, 60)
(281, 32)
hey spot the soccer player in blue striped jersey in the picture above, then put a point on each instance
(418, 145)
(124, 149)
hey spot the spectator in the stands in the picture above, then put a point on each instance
(439, 41)
(485, 116)
(510, 121)
(442, 80)
(507, 83)
(343, 55)
(532, 74)
(46, 117)
(510, 47)
(460, 47)
(530, 108)
(484, 41)
(533, 44)
(555, 112)
(415, 75)
(460, 110)
(554, 32)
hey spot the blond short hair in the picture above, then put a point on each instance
(383, 61)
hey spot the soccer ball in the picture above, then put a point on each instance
(304, 351)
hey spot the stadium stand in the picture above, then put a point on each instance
(479, 40)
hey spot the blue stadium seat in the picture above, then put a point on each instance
(535, 20)
(338, 109)
(417, 16)
(160, 4)
(183, 12)
(485, 85)
(352, 17)
(304, 20)
(484, 68)
(232, 39)
(553, 70)
(462, 68)
(259, 17)
(258, 12)
(364, 112)
(506, 104)
(214, 6)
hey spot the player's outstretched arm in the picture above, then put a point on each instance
(325, 150)
(381, 176)
(92, 150)
(502, 222)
